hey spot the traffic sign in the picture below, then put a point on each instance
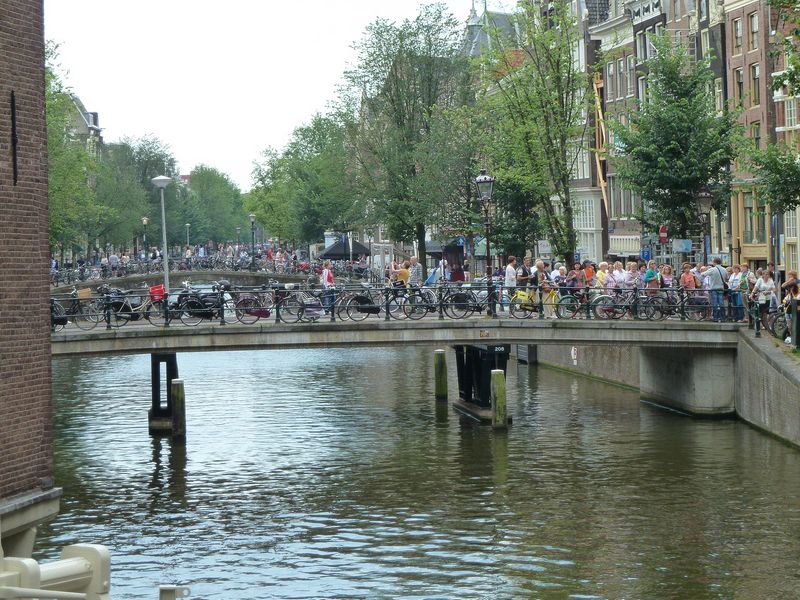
(644, 254)
(662, 234)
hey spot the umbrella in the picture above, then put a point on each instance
(341, 251)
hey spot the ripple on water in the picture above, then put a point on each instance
(326, 473)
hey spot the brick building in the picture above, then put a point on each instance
(27, 494)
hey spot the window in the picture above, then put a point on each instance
(738, 86)
(705, 45)
(581, 168)
(620, 78)
(642, 89)
(790, 112)
(641, 46)
(755, 133)
(752, 42)
(749, 220)
(610, 81)
(755, 84)
(761, 219)
(737, 36)
(703, 10)
(627, 202)
(631, 75)
(791, 256)
(677, 10)
(719, 97)
(790, 223)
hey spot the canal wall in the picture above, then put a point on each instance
(767, 388)
(765, 381)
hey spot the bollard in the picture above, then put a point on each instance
(173, 592)
(178, 411)
(499, 409)
(440, 375)
(386, 303)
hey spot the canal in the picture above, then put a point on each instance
(331, 473)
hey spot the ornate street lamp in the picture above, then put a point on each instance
(238, 239)
(161, 182)
(187, 232)
(252, 242)
(484, 184)
(705, 200)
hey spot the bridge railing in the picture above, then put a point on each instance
(223, 304)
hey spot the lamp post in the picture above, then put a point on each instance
(161, 182)
(705, 199)
(484, 184)
(187, 232)
(238, 239)
(145, 221)
(252, 242)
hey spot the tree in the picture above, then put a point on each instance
(213, 208)
(402, 74)
(787, 13)
(777, 173)
(540, 97)
(676, 143)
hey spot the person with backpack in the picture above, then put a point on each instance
(717, 285)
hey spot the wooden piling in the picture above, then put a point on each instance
(178, 411)
(499, 411)
(440, 375)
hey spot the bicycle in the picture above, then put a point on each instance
(123, 307)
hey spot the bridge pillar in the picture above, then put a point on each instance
(159, 417)
(696, 381)
(474, 366)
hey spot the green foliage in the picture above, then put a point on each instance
(306, 189)
(405, 72)
(540, 99)
(213, 208)
(788, 34)
(777, 173)
(676, 143)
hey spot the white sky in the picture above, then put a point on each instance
(216, 80)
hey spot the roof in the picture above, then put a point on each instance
(340, 250)
(480, 32)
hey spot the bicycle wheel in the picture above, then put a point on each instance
(779, 327)
(457, 305)
(604, 307)
(567, 307)
(121, 315)
(87, 317)
(191, 312)
(57, 314)
(247, 310)
(395, 307)
(358, 308)
(696, 311)
(154, 312)
(414, 307)
(340, 307)
(289, 310)
(517, 309)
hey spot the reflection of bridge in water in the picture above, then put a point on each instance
(683, 364)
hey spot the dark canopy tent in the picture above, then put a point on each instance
(341, 251)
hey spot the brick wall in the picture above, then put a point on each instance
(25, 393)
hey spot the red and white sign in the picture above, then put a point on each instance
(662, 234)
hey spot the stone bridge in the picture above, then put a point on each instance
(685, 365)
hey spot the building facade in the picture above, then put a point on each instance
(27, 492)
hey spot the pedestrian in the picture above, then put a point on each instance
(717, 284)
(763, 293)
(735, 293)
(326, 280)
(793, 294)
(510, 281)
(414, 273)
(524, 273)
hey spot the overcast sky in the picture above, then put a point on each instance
(216, 81)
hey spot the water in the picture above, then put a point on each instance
(330, 473)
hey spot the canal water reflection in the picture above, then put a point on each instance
(331, 473)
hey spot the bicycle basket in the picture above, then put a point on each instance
(84, 293)
(157, 292)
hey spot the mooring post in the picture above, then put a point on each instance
(499, 412)
(178, 412)
(440, 375)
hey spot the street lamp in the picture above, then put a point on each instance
(238, 240)
(161, 182)
(252, 242)
(484, 184)
(187, 232)
(145, 221)
(705, 200)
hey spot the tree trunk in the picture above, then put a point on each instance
(419, 230)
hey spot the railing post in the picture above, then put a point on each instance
(635, 302)
(386, 292)
(440, 300)
(588, 303)
(758, 322)
(166, 308)
(540, 293)
(331, 303)
(221, 306)
(682, 301)
(794, 331)
(107, 309)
